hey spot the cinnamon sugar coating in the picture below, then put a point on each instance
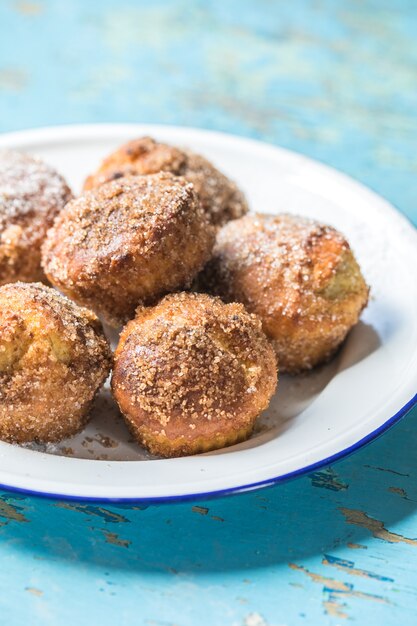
(298, 275)
(31, 195)
(53, 359)
(192, 374)
(128, 242)
(220, 197)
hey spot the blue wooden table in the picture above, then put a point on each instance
(336, 81)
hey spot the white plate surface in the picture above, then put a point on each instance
(314, 418)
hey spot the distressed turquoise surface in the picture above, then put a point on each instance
(336, 81)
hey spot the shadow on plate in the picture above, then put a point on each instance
(107, 438)
(361, 342)
(296, 393)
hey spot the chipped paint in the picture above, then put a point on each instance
(115, 540)
(349, 567)
(34, 591)
(356, 546)
(377, 528)
(13, 79)
(387, 469)
(11, 512)
(335, 591)
(328, 479)
(400, 492)
(242, 600)
(94, 511)
(28, 8)
(202, 510)
(333, 607)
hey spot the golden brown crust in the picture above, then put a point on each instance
(220, 197)
(31, 195)
(192, 374)
(128, 242)
(53, 359)
(299, 276)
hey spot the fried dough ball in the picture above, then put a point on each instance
(53, 359)
(31, 195)
(220, 197)
(128, 242)
(299, 276)
(192, 374)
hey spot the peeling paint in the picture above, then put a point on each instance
(356, 546)
(328, 479)
(333, 607)
(377, 528)
(28, 8)
(349, 567)
(335, 591)
(96, 511)
(34, 591)
(401, 492)
(115, 540)
(386, 469)
(202, 510)
(13, 79)
(11, 512)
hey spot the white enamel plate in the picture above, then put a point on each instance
(314, 419)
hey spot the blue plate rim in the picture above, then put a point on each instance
(241, 489)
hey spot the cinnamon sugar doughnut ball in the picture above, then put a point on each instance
(220, 197)
(31, 195)
(128, 242)
(192, 374)
(299, 276)
(53, 359)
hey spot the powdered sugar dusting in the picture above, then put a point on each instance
(31, 195)
(298, 275)
(28, 185)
